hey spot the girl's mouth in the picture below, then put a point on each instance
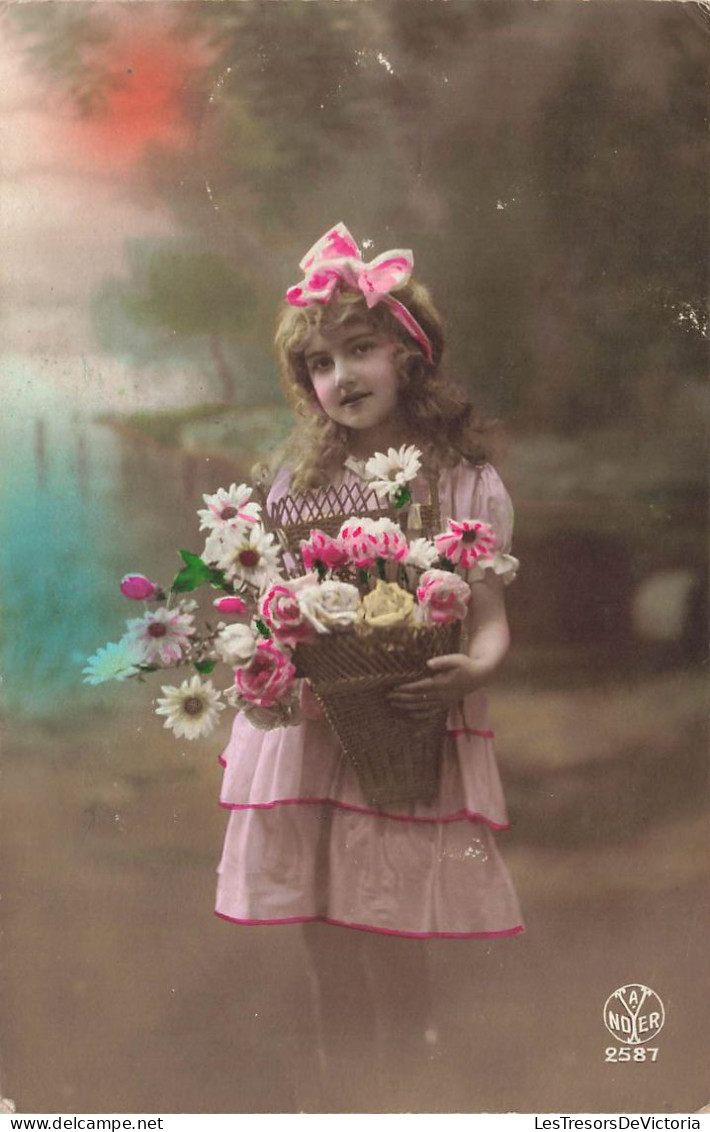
(353, 399)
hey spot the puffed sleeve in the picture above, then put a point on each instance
(478, 492)
(279, 487)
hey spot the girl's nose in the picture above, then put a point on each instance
(342, 372)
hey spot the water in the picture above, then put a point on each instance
(80, 506)
(58, 594)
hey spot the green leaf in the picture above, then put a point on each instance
(402, 496)
(189, 558)
(195, 573)
(205, 666)
(262, 628)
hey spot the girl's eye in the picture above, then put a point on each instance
(317, 365)
(364, 347)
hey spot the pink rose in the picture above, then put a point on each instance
(233, 605)
(443, 597)
(138, 588)
(267, 677)
(283, 615)
(320, 547)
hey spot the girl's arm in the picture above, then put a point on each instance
(454, 676)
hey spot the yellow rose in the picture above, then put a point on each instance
(388, 604)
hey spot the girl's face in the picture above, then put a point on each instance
(354, 377)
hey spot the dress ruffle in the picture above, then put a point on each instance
(312, 862)
(305, 764)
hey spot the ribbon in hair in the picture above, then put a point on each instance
(336, 259)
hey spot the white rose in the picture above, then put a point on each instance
(422, 554)
(235, 644)
(329, 606)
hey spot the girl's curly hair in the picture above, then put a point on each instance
(437, 415)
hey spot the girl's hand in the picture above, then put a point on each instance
(452, 677)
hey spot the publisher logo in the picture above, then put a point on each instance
(634, 1014)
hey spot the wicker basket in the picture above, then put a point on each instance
(396, 760)
(294, 516)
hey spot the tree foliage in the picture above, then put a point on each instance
(547, 163)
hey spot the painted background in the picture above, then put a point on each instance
(164, 167)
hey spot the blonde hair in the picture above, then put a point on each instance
(437, 416)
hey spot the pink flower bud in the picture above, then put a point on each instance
(138, 588)
(233, 605)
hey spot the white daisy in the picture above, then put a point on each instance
(245, 553)
(117, 661)
(162, 636)
(227, 507)
(422, 554)
(390, 473)
(192, 710)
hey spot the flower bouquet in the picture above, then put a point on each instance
(353, 609)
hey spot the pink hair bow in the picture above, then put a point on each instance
(336, 258)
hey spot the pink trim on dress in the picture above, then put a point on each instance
(369, 928)
(460, 815)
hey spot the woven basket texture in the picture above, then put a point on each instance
(396, 759)
(293, 517)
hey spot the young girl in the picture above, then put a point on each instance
(360, 350)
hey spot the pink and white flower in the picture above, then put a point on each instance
(321, 547)
(138, 588)
(366, 540)
(267, 677)
(354, 537)
(229, 507)
(387, 539)
(246, 553)
(283, 614)
(466, 541)
(162, 636)
(443, 597)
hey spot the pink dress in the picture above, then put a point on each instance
(303, 844)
